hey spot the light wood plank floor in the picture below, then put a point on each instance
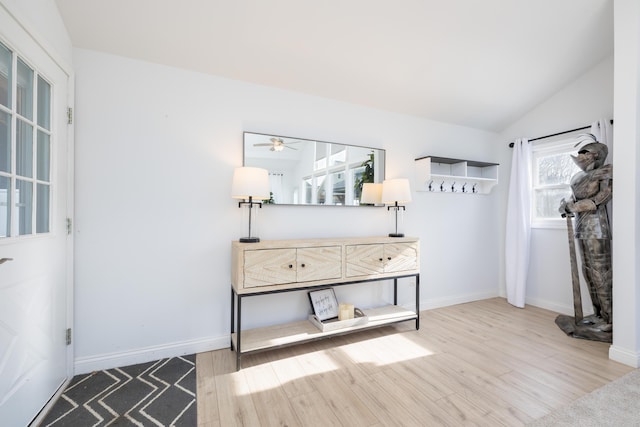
(484, 363)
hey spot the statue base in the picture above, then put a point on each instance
(590, 328)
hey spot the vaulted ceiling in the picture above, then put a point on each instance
(475, 63)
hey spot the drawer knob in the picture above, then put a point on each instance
(380, 259)
(389, 258)
(290, 265)
(303, 265)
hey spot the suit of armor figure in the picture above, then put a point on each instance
(592, 189)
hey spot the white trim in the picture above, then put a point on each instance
(551, 306)
(624, 356)
(85, 365)
(431, 303)
(550, 223)
(70, 214)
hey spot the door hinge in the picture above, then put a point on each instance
(69, 115)
(69, 229)
(68, 336)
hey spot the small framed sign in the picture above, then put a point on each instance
(324, 304)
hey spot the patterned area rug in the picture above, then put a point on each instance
(161, 393)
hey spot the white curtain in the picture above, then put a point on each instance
(518, 232)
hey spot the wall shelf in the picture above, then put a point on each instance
(446, 175)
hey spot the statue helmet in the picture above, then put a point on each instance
(598, 148)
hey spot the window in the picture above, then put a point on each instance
(25, 148)
(552, 170)
(336, 170)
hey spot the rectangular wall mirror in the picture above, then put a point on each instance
(308, 172)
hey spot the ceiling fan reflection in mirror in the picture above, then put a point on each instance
(277, 144)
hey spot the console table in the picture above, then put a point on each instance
(294, 265)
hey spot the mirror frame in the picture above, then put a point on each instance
(283, 156)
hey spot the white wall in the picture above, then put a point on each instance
(155, 151)
(626, 200)
(580, 103)
(44, 21)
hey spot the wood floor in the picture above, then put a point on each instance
(483, 363)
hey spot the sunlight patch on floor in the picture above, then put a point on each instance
(386, 350)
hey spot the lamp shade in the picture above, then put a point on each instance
(371, 193)
(250, 182)
(396, 190)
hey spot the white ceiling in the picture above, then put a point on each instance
(478, 63)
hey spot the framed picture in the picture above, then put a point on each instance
(324, 304)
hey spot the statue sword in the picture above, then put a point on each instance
(575, 278)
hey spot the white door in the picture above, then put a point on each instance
(35, 277)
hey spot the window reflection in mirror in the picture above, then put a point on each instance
(308, 172)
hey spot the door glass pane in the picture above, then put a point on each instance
(24, 149)
(44, 103)
(44, 155)
(5, 75)
(42, 207)
(5, 142)
(5, 202)
(24, 206)
(24, 99)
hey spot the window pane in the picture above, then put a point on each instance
(44, 103)
(42, 207)
(5, 76)
(24, 149)
(338, 155)
(307, 190)
(5, 142)
(5, 202)
(337, 187)
(44, 156)
(24, 206)
(358, 181)
(321, 156)
(555, 169)
(321, 193)
(25, 91)
(548, 201)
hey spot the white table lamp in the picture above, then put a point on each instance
(248, 184)
(394, 192)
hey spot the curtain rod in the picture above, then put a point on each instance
(559, 133)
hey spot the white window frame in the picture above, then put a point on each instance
(14, 116)
(565, 145)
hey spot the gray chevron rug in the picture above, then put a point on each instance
(161, 393)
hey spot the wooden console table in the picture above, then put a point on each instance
(294, 265)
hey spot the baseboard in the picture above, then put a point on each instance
(83, 365)
(626, 357)
(551, 306)
(431, 303)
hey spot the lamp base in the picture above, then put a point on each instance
(396, 234)
(249, 239)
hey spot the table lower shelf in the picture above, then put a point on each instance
(301, 331)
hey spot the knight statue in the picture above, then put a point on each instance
(592, 189)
